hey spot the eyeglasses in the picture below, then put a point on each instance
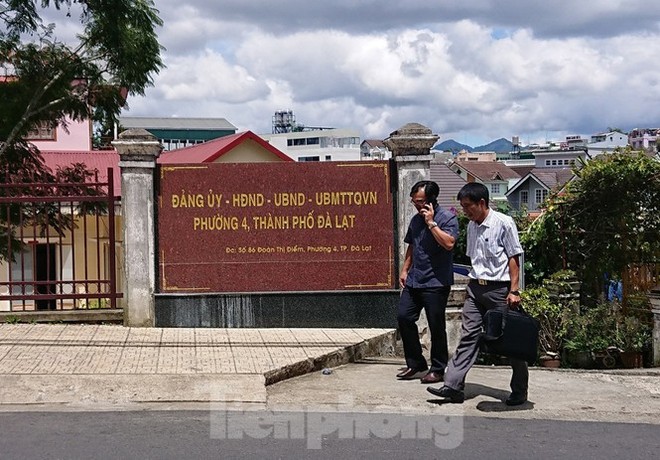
(419, 202)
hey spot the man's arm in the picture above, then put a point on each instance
(407, 263)
(443, 238)
(513, 299)
(444, 234)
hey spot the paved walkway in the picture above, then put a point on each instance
(46, 363)
(102, 367)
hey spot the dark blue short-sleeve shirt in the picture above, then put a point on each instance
(432, 265)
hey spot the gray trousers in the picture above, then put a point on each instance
(480, 299)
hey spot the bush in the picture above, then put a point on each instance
(552, 316)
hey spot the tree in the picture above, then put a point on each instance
(607, 217)
(44, 81)
(47, 80)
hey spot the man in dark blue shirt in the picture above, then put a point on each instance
(426, 276)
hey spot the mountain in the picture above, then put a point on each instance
(450, 145)
(499, 146)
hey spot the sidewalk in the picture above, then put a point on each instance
(102, 367)
(82, 364)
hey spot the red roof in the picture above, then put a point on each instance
(210, 151)
(93, 159)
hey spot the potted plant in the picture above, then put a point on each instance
(632, 336)
(552, 317)
(591, 336)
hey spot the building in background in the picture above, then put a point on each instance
(318, 145)
(644, 139)
(177, 133)
(493, 174)
(606, 143)
(374, 149)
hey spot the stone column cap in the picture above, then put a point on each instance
(411, 139)
(137, 144)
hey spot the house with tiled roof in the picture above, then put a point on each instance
(532, 190)
(448, 181)
(374, 149)
(493, 174)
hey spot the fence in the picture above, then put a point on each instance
(58, 246)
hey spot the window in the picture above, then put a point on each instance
(540, 195)
(328, 157)
(44, 132)
(547, 162)
(495, 189)
(313, 141)
(299, 142)
(524, 197)
(316, 158)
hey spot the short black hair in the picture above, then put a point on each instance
(431, 191)
(473, 191)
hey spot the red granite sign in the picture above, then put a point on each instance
(260, 227)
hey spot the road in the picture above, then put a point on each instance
(175, 434)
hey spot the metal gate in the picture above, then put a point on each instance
(59, 246)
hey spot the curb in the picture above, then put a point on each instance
(382, 345)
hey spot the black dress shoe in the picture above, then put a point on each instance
(432, 377)
(409, 374)
(516, 399)
(455, 396)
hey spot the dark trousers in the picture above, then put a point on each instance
(434, 303)
(478, 300)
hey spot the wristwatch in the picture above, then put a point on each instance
(515, 293)
(432, 224)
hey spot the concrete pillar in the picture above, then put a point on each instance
(138, 150)
(410, 146)
(654, 297)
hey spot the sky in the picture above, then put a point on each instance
(470, 70)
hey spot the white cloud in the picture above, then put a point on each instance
(484, 68)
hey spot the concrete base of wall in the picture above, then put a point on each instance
(332, 309)
(345, 309)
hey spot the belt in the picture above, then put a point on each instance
(491, 283)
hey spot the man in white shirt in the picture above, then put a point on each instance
(494, 251)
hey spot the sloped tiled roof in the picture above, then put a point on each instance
(487, 171)
(523, 170)
(551, 178)
(93, 159)
(450, 183)
(375, 143)
(210, 151)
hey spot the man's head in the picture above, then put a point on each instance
(424, 191)
(474, 201)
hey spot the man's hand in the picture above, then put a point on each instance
(513, 301)
(402, 278)
(428, 213)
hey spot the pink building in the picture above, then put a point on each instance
(78, 137)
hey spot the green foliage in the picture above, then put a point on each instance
(12, 319)
(44, 81)
(609, 324)
(116, 54)
(22, 175)
(605, 219)
(593, 329)
(552, 315)
(461, 244)
(632, 334)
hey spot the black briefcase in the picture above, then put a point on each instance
(511, 333)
